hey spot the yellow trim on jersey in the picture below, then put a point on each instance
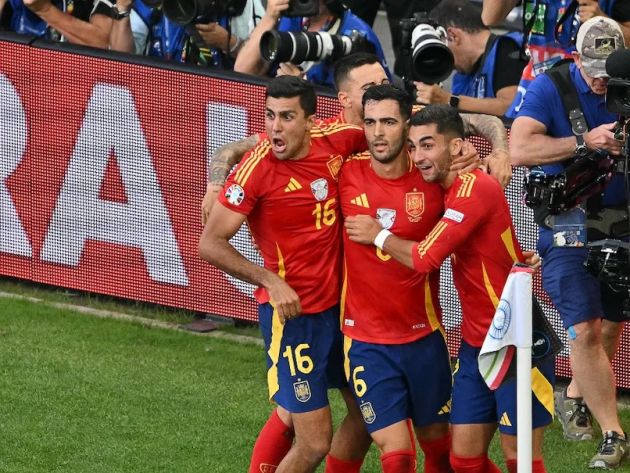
(508, 241)
(347, 344)
(542, 389)
(424, 246)
(364, 155)
(467, 185)
(429, 307)
(489, 288)
(277, 330)
(319, 131)
(293, 185)
(361, 201)
(242, 175)
(344, 290)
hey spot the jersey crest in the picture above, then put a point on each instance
(302, 391)
(414, 205)
(334, 165)
(319, 187)
(386, 217)
(369, 416)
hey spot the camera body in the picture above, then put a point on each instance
(609, 261)
(550, 194)
(190, 12)
(425, 55)
(300, 46)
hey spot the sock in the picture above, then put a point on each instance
(273, 443)
(436, 455)
(538, 466)
(473, 465)
(336, 465)
(399, 461)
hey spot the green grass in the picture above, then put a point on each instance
(82, 394)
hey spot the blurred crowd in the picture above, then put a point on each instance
(430, 38)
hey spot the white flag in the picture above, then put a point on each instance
(502, 338)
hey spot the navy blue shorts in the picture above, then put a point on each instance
(304, 358)
(397, 382)
(575, 292)
(475, 403)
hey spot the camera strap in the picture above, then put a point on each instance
(561, 77)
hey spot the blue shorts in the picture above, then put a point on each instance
(304, 358)
(397, 382)
(475, 403)
(575, 292)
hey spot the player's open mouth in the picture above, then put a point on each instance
(424, 167)
(278, 145)
(380, 146)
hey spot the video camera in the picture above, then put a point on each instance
(298, 47)
(609, 261)
(424, 53)
(190, 12)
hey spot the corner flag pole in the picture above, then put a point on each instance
(524, 381)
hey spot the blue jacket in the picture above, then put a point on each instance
(479, 84)
(322, 72)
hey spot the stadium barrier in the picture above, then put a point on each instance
(103, 161)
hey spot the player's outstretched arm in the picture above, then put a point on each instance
(224, 159)
(495, 11)
(492, 129)
(215, 247)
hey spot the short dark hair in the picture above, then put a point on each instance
(389, 92)
(444, 116)
(345, 65)
(291, 86)
(462, 14)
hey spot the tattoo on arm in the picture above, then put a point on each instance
(487, 126)
(227, 156)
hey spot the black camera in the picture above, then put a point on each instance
(297, 47)
(609, 261)
(299, 8)
(189, 12)
(554, 193)
(424, 53)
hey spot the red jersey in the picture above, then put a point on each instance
(292, 209)
(383, 301)
(477, 230)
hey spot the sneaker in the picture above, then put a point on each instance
(611, 451)
(573, 414)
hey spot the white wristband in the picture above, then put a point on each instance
(380, 238)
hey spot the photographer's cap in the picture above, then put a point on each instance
(596, 39)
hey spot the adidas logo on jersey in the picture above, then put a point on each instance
(361, 201)
(292, 186)
(446, 408)
(505, 420)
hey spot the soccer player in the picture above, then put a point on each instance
(354, 74)
(391, 314)
(481, 240)
(286, 189)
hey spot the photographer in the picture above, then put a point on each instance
(332, 18)
(83, 22)
(543, 135)
(488, 65)
(550, 35)
(216, 43)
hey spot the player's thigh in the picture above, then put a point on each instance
(395, 437)
(471, 440)
(314, 429)
(427, 367)
(297, 358)
(377, 383)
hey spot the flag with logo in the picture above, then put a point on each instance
(497, 353)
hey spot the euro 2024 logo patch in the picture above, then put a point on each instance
(235, 194)
(386, 217)
(319, 187)
(501, 320)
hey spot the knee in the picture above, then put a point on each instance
(315, 447)
(585, 335)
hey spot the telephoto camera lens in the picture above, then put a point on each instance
(432, 61)
(298, 47)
